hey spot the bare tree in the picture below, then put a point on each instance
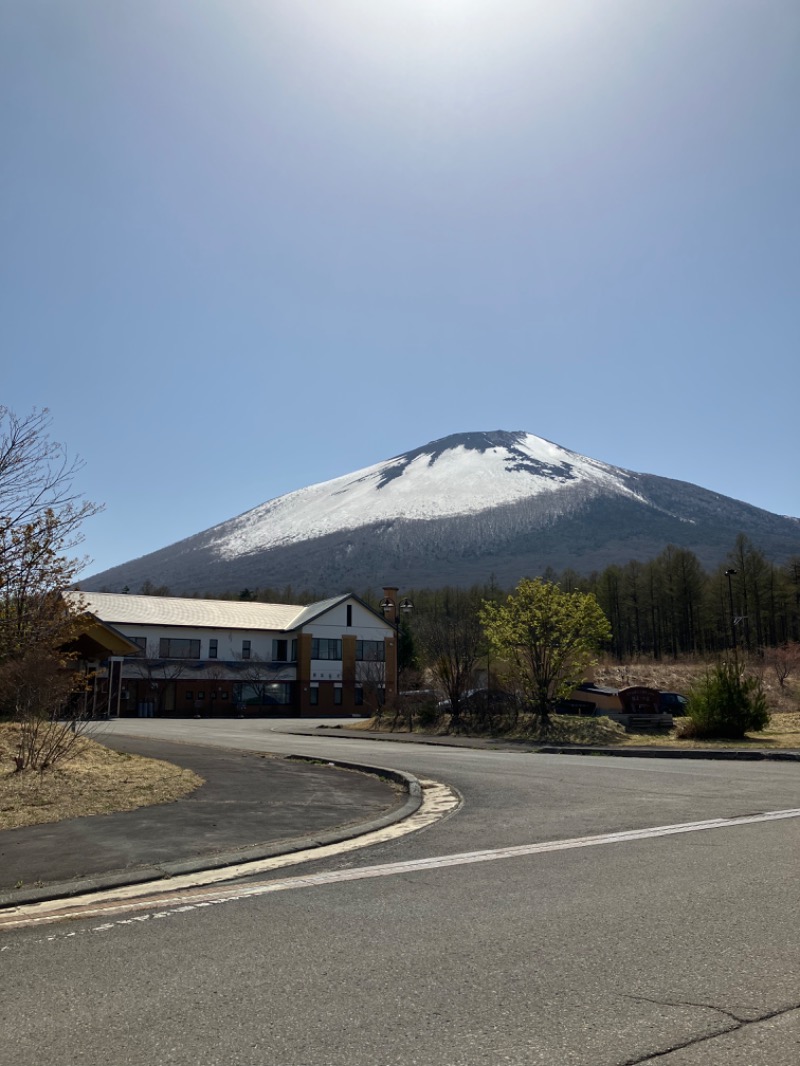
(158, 672)
(371, 677)
(784, 660)
(451, 641)
(41, 693)
(33, 572)
(40, 518)
(37, 626)
(37, 476)
(261, 673)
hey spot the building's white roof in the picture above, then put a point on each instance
(314, 610)
(121, 609)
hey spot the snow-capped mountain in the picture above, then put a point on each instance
(464, 475)
(456, 511)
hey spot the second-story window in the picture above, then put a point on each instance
(178, 648)
(245, 649)
(212, 648)
(325, 648)
(280, 651)
(370, 651)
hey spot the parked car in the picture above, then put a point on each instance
(480, 698)
(577, 708)
(672, 703)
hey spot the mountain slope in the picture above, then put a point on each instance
(457, 511)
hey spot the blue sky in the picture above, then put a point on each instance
(250, 245)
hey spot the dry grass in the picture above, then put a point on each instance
(95, 780)
(783, 731)
(564, 729)
(678, 676)
(597, 732)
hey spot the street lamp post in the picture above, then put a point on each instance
(730, 573)
(391, 608)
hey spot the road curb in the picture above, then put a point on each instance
(162, 872)
(713, 754)
(533, 747)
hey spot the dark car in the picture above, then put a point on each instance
(479, 699)
(672, 703)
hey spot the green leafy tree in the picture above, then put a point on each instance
(547, 638)
(726, 704)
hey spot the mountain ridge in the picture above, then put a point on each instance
(457, 510)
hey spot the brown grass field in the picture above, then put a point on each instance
(783, 730)
(95, 780)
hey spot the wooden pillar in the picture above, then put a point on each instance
(348, 674)
(390, 667)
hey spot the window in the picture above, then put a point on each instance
(178, 648)
(278, 692)
(359, 696)
(313, 697)
(280, 651)
(141, 644)
(337, 697)
(349, 615)
(323, 648)
(212, 648)
(245, 649)
(263, 695)
(370, 651)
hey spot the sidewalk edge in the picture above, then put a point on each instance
(161, 873)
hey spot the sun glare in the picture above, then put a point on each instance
(393, 30)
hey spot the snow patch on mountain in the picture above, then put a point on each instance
(466, 474)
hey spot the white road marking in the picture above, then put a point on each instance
(180, 903)
(438, 800)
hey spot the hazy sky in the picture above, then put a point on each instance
(249, 245)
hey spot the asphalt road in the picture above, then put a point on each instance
(676, 949)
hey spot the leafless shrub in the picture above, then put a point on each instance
(783, 660)
(39, 690)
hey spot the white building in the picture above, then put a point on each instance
(217, 657)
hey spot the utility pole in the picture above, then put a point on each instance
(730, 573)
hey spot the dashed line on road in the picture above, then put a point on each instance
(438, 800)
(174, 902)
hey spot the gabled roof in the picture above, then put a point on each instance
(98, 640)
(122, 609)
(313, 610)
(308, 614)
